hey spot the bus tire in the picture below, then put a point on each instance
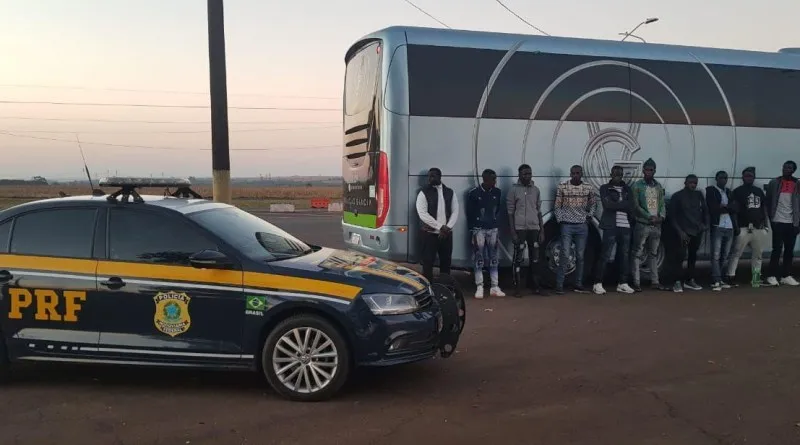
(550, 258)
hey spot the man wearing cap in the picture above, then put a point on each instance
(649, 212)
(752, 228)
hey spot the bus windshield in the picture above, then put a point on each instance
(361, 147)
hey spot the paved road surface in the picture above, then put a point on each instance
(320, 228)
(648, 369)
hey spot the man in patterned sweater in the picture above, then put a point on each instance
(575, 203)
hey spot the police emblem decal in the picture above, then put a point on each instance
(172, 313)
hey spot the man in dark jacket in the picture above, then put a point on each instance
(688, 215)
(437, 208)
(723, 227)
(483, 209)
(783, 199)
(617, 200)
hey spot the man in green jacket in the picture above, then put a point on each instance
(649, 212)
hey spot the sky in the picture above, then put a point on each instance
(280, 54)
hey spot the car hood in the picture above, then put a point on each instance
(372, 275)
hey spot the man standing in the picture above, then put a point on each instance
(783, 199)
(524, 206)
(575, 203)
(483, 208)
(688, 215)
(617, 201)
(649, 211)
(437, 207)
(752, 226)
(723, 227)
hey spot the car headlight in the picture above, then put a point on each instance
(391, 304)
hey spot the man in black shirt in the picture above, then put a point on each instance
(688, 215)
(753, 227)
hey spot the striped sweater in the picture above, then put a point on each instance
(574, 203)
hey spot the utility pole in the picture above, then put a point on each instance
(220, 153)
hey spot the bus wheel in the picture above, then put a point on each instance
(550, 258)
(305, 359)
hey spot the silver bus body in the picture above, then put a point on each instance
(464, 101)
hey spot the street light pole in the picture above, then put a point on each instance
(220, 154)
(646, 22)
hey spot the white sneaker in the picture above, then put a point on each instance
(598, 289)
(479, 292)
(772, 281)
(625, 289)
(789, 281)
(496, 292)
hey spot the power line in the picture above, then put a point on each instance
(160, 91)
(248, 130)
(519, 17)
(424, 12)
(74, 119)
(93, 104)
(151, 147)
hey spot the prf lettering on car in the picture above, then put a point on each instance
(47, 302)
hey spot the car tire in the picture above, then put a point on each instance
(274, 355)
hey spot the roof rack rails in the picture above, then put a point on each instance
(128, 186)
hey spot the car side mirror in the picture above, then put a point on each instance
(210, 259)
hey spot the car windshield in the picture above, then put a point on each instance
(251, 235)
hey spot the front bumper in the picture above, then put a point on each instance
(398, 339)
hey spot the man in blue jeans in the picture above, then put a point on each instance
(723, 227)
(616, 222)
(575, 203)
(483, 210)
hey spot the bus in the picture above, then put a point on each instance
(416, 98)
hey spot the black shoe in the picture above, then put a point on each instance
(637, 287)
(691, 284)
(559, 291)
(579, 289)
(541, 291)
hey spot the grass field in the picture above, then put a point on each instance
(243, 197)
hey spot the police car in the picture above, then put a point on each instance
(177, 280)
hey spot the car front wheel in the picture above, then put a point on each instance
(305, 358)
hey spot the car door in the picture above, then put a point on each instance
(49, 299)
(156, 303)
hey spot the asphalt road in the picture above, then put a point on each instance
(646, 369)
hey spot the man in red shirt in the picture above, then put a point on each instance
(783, 199)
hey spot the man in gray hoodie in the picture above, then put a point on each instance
(525, 217)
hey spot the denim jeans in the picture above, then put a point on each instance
(721, 242)
(485, 245)
(649, 236)
(577, 233)
(619, 237)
